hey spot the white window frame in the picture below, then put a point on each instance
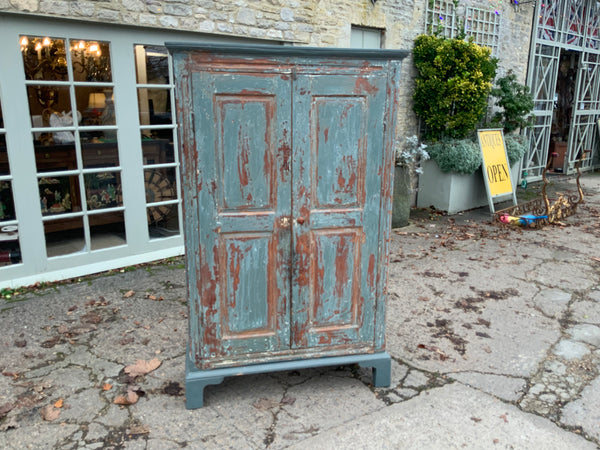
(36, 266)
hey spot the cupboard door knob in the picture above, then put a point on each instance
(300, 220)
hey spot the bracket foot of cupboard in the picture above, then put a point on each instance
(196, 380)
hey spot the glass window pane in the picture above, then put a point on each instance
(96, 105)
(160, 185)
(107, 230)
(7, 206)
(1, 117)
(4, 168)
(49, 106)
(54, 157)
(155, 106)
(64, 236)
(59, 195)
(10, 250)
(151, 64)
(103, 190)
(157, 146)
(96, 153)
(44, 58)
(163, 221)
(91, 61)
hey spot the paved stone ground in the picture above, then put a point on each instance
(494, 335)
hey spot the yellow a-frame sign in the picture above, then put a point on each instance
(496, 169)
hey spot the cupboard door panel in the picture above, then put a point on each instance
(338, 121)
(244, 191)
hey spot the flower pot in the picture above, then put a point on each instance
(401, 201)
(450, 192)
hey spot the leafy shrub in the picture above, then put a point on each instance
(456, 155)
(516, 102)
(452, 85)
(516, 146)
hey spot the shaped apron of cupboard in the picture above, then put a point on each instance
(287, 157)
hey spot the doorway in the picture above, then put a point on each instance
(562, 115)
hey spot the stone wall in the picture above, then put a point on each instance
(302, 22)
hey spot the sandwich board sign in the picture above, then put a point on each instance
(496, 169)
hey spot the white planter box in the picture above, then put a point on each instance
(450, 192)
(453, 192)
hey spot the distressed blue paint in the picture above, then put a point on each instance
(286, 218)
(357, 103)
(340, 127)
(335, 300)
(246, 297)
(245, 129)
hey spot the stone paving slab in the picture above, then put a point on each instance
(494, 335)
(451, 417)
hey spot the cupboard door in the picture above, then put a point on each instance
(337, 171)
(244, 191)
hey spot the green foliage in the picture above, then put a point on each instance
(516, 102)
(456, 155)
(452, 85)
(516, 146)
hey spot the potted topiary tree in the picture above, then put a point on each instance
(454, 80)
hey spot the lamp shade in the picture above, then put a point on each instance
(97, 100)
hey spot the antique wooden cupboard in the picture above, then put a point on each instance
(287, 158)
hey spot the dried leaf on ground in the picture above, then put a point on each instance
(10, 423)
(265, 403)
(6, 408)
(128, 294)
(138, 430)
(50, 413)
(142, 367)
(58, 403)
(129, 398)
(106, 387)
(434, 349)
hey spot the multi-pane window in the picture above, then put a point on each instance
(157, 128)
(482, 25)
(72, 108)
(361, 37)
(9, 230)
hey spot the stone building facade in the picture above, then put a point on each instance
(115, 169)
(319, 23)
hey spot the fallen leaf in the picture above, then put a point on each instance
(503, 416)
(58, 403)
(287, 400)
(433, 348)
(128, 399)
(50, 413)
(475, 419)
(265, 403)
(128, 294)
(14, 375)
(20, 343)
(6, 408)
(142, 367)
(138, 430)
(10, 423)
(106, 387)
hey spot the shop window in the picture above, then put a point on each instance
(159, 140)
(9, 230)
(74, 131)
